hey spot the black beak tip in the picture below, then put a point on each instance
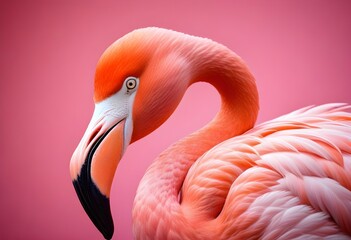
(96, 205)
(109, 235)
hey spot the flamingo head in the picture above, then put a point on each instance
(139, 82)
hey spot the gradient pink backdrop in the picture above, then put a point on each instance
(299, 52)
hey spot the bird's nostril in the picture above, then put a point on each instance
(93, 135)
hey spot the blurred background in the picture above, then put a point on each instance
(299, 52)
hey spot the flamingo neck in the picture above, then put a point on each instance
(157, 205)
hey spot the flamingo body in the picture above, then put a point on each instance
(289, 178)
(284, 179)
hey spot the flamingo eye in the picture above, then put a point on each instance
(131, 83)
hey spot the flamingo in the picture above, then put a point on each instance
(286, 178)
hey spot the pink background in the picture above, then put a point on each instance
(299, 52)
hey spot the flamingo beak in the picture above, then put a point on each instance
(93, 166)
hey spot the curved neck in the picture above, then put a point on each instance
(157, 195)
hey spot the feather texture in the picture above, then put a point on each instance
(280, 179)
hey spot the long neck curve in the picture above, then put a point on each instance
(157, 207)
